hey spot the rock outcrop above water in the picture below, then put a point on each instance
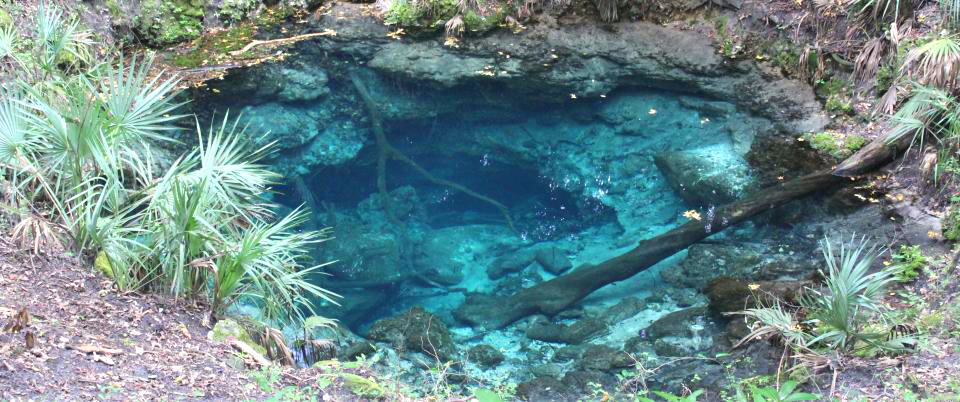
(583, 58)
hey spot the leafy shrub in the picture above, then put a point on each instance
(787, 393)
(909, 261)
(951, 223)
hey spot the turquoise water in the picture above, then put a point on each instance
(581, 179)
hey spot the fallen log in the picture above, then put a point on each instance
(555, 295)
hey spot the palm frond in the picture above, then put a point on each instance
(14, 128)
(851, 290)
(8, 41)
(267, 261)
(935, 63)
(232, 169)
(140, 106)
(867, 63)
(928, 112)
(881, 10)
(55, 35)
(952, 9)
(774, 321)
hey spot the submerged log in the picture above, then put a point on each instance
(557, 294)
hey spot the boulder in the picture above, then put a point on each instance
(727, 295)
(485, 355)
(708, 176)
(604, 358)
(509, 263)
(227, 329)
(576, 333)
(357, 349)
(416, 330)
(746, 261)
(553, 260)
(626, 308)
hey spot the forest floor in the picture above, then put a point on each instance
(67, 334)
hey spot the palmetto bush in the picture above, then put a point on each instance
(75, 148)
(841, 310)
(845, 314)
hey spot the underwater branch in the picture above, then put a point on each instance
(556, 295)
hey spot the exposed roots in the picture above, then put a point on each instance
(387, 151)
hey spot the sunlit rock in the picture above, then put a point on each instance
(704, 177)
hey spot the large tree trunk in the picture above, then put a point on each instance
(555, 295)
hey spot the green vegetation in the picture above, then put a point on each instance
(839, 104)
(76, 147)
(844, 316)
(951, 223)
(835, 144)
(234, 11)
(453, 16)
(163, 22)
(215, 48)
(908, 263)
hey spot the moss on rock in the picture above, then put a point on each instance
(165, 22)
(102, 264)
(835, 144)
(227, 328)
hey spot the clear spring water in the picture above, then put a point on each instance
(579, 177)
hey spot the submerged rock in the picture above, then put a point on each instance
(509, 263)
(704, 177)
(485, 355)
(547, 370)
(747, 261)
(543, 388)
(677, 322)
(416, 330)
(553, 260)
(576, 333)
(626, 308)
(604, 358)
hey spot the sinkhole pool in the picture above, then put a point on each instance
(479, 188)
(477, 173)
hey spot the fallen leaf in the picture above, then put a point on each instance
(105, 359)
(19, 322)
(95, 349)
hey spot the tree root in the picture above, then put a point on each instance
(282, 41)
(388, 151)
